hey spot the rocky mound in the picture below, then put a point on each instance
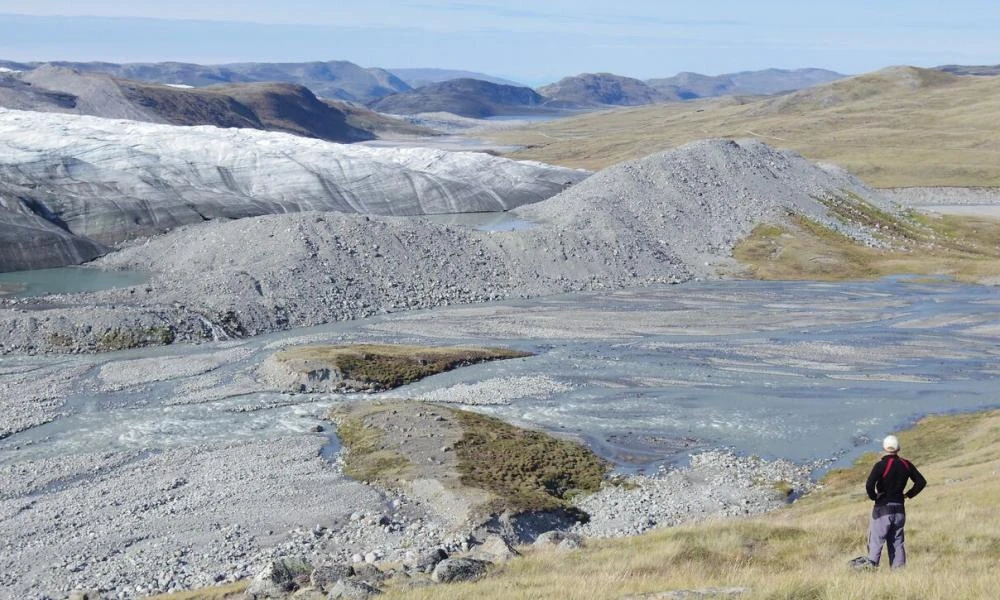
(464, 97)
(109, 181)
(669, 217)
(601, 89)
(698, 201)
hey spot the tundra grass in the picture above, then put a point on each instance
(901, 128)
(520, 469)
(953, 540)
(525, 470)
(367, 456)
(386, 366)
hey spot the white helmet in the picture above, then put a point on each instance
(890, 443)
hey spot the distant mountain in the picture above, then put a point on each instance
(337, 79)
(689, 86)
(601, 89)
(270, 106)
(979, 70)
(416, 78)
(465, 97)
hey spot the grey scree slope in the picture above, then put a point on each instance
(103, 181)
(669, 217)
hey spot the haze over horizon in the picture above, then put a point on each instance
(530, 44)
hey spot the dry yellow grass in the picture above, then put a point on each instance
(953, 540)
(899, 127)
(232, 591)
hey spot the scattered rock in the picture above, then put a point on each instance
(346, 588)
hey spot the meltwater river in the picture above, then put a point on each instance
(797, 370)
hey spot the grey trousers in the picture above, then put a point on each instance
(887, 529)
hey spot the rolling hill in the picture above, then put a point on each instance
(897, 127)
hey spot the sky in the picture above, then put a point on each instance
(529, 42)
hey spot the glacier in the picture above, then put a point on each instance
(90, 183)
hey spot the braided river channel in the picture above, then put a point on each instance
(799, 370)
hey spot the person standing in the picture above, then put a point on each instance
(885, 485)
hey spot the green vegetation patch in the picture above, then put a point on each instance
(125, 339)
(526, 470)
(387, 366)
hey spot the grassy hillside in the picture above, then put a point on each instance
(897, 127)
(953, 540)
(964, 248)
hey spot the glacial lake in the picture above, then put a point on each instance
(798, 370)
(65, 280)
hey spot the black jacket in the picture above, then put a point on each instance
(888, 479)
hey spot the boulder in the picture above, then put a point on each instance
(278, 578)
(325, 576)
(494, 549)
(562, 540)
(426, 562)
(451, 570)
